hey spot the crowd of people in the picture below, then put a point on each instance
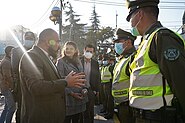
(56, 84)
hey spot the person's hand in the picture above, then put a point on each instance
(96, 93)
(75, 79)
(77, 96)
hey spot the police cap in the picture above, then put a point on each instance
(122, 34)
(134, 5)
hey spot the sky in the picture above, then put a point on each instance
(34, 14)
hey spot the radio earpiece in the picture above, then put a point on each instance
(52, 42)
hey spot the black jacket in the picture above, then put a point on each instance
(95, 78)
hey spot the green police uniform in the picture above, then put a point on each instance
(157, 77)
(121, 79)
(106, 82)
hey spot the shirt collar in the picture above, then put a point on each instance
(46, 53)
(87, 61)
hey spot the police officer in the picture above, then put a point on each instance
(157, 77)
(106, 83)
(124, 47)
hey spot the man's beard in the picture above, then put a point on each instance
(52, 52)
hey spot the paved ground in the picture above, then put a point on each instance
(98, 115)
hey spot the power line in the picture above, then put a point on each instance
(45, 15)
(171, 8)
(124, 4)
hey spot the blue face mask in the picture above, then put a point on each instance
(28, 43)
(99, 62)
(134, 31)
(105, 62)
(118, 48)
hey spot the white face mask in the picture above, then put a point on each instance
(88, 55)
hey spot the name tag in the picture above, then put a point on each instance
(120, 93)
(143, 92)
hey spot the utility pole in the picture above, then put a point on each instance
(183, 23)
(60, 23)
(116, 19)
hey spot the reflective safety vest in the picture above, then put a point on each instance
(146, 85)
(121, 81)
(105, 74)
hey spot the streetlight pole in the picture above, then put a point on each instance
(60, 23)
(56, 17)
(116, 19)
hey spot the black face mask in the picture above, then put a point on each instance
(52, 52)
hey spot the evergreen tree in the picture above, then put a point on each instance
(74, 31)
(94, 28)
(95, 21)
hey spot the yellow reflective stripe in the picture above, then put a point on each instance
(148, 92)
(105, 81)
(120, 70)
(105, 74)
(120, 93)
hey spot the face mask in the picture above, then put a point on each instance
(88, 55)
(28, 43)
(52, 52)
(105, 62)
(134, 30)
(99, 62)
(119, 48)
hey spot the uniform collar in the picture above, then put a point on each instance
(129, 52)
(152, 28)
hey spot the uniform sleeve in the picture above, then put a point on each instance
(170, 56)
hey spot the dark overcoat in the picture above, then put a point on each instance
(43, 99)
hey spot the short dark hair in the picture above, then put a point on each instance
(151, 10)
(90, 46)
(45, 35)
(29, 34)
(8, 49)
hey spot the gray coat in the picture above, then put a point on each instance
(73, 106)
(43, 98)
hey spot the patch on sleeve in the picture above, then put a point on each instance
(171, 54)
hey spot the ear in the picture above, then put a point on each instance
(52, 42)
